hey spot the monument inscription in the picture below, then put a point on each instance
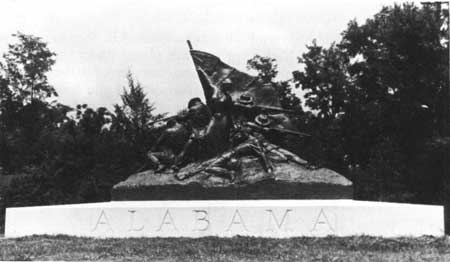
(225, 221)
(259, 218)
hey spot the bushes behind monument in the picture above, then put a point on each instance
(70, 154)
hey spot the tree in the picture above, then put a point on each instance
(25, 67)
(24, 89)
(385, 86)
(266, 68)
(5, 117)
(68, 158)
(404, 64)
(324, 79)
(136, 107)
(133, 116)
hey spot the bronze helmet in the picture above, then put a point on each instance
(263, 120)
(246, 99)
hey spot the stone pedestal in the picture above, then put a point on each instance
(258, 218)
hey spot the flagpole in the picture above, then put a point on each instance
(190, 49)
(195, 65)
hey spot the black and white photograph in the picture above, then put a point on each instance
(210, 130)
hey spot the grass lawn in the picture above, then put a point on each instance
(226, 249)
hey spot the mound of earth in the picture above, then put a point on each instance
(287, 181)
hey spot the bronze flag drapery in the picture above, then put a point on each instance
(242, 84)
(246, 91)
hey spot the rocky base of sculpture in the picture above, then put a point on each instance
(287, 181)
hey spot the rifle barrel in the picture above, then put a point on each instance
(291, 132)
(163, 119)
(268, 108)
(281, 130)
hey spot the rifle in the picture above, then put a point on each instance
(179, 116)
(276, 129)
(266, 108)
(237, 105)
(164, 119)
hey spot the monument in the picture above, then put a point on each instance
(219, 169)
(229, 147)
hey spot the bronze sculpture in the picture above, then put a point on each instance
(239, 113)
(230, 147)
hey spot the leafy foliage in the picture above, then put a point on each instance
(132, 118)
(25, 67)
(385, 87)
(266, 67)
(69, 155)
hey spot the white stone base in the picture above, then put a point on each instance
(259, 218)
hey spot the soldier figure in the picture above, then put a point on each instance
(178, 131)
(210, 138)
(199, 114)
(168, 145)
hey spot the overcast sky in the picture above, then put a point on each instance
(97, 42)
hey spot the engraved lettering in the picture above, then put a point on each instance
(167, 220)
(273, 218)
(201, 217)
(134, 227)
(102, 220)
(237, 220)
(322, 222)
